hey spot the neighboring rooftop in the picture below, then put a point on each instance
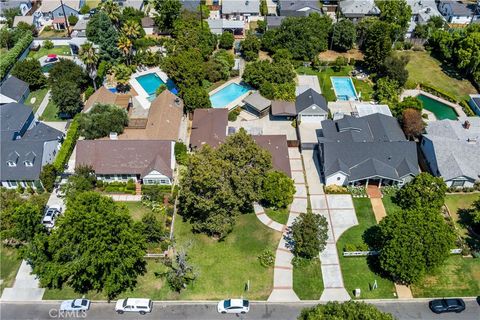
(460, 8)
(105, 96)
(13, 88)
(310, 98)
(278, 148)
(81, 25)
(257, 101)
(283, 108)
(209, 126)
(299, 8)
(240, 6)
(50, 5)
(356, 8)
(26, 19)
(274, 21)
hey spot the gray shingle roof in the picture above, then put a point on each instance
(240, 6)
(14, 88)
(12, 119)
(274, 21)
(299, 7)
(308, 98)
(358, 8)
(256, 101)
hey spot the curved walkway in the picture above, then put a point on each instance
(262, 216)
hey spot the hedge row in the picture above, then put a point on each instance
(438, 93)
(67, 146)
(467, 109)
(7, 60)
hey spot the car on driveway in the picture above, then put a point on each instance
(447, 305)
(51, 214)
(141, 306)
(233, 306)
(75, 305)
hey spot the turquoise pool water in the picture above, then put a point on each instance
(344, 88)
(440, 110)
(151, 81)
(224, 96)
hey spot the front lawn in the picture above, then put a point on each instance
(279, 215)
(9, 263)
(38, 95)
(423, 68)
(363, 87)
(307, 279)
(60, 50)
(459, 277)
(358, 271)
(51, 112)
(455, 202)
(390, 207)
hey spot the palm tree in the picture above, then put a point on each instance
(125, 45)
(132, 29)
(112, 10)
(89, 56)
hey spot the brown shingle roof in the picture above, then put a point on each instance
(164, 119)
(209, 126)
(277, 146)
(105, 96)
(138, 157)
(283, 108)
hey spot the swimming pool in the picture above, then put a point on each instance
(224, 96)
(151, 81)
(47, 67)
(440, 110)
(344, 88)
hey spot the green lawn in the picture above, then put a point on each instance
(279, 215)
(390, 207)
(38, 95)
(60, 50)
(364, 87)
(457, 277)
(357, 272)
(93, 3)
(307, 279)
(50, 113)
(455, 204)
(9, 264)
(424, 68)
(223, 267)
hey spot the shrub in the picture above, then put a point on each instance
(47, 176)
(155, 192)
(438, 92)
(334, 189)
(181, 155)
(267, 258)
(85, 9)
(362, 247)
(389, 190)
(233, 115)
(88, 92)
(357, 191)
(47, 28)
(8, 59)
(67, 146)
(467, 109)
(278, 190)
(48, 44)
(309, 234)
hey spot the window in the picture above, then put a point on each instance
(458, 183)
(124, 177)
(11, 163)
(28, 163)
(12, 183)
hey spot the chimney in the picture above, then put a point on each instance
(466, 124)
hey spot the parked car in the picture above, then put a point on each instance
(141, 306)
(447, 305)
(74, 305)
(233, 306)
(51, 214)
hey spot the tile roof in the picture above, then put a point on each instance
(209, 126)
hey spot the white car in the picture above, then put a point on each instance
(50, 216)
(74, 305)
(233, 306)
(141, 306)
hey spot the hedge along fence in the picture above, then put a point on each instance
(438, 92)
(467, 109)
(8, 59)
(67, 146)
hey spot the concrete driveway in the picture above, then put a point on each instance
(312, 172)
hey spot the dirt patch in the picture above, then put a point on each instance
(262, 55)
(331, 55)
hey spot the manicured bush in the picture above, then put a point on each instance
(350, 247)
(72, 20)
(155, 192)
(47, 176)
(232, 115)
(267, 258)
(334, 189)
(181, 155)
(467, 109)
(8, 59)
(48, 44)
(67, 146)
(437, 92)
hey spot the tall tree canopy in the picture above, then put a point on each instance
(424, 191)
(101, 120)
(310, 233)
(168, 11)
(349, 310)
(344, 35)
(278, 190)
(377, 44)
(96, 246)
(101, 31)
(30, 71)
(398, 14)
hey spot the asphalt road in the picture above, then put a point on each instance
(207, 311)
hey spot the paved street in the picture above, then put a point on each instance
(207, 311)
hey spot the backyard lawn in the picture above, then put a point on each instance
(60, 50)
(38, 95)
(424, 68)
(93, 3)
(50, 113)
(361, 86)
(223, 267)
(279, 215)
(307, 279)
(9, 264)
(356, 270)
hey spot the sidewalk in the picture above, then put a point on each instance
(25, 288)
(42, 106)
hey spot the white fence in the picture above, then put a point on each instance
(375, 253)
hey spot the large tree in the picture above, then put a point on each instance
(412, 123)
(344, 35)
(398, 14)
(226, 40)
(101, 120)
(28, 221)
(196, 97)
(96, 246)
(66, 95)
(349, 310)
(89, 56)
(309, 233)
(250, 47)
(101, 31)
(30, 71)
(424, 191)
(414, 241)
(66, 70)
(111, 9)
(185, 68)
(386, 91)
(168, 11)
(278, 190)
(395, 68)
(377, 44)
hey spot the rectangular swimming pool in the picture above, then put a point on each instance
(344, 88)
(151, 81)
(440, 110)
(226, 95)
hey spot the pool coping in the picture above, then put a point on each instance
(142, 96)
(357, 98)
(414, 93)
(235, 102)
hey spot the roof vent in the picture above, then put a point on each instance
(466, 124)
(113, 136)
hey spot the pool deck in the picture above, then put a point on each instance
(413, 93)
(353, 86)
(235, 102)
(142, 94)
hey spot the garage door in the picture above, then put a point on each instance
(312, 118)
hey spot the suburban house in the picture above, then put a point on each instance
(209, 126)
(274, 22)
(475, 103)
(366, 150)
(148, 25)
(145, 161)
(23, 5)
(355, 10)
(105, 96)
(340, 108)
(458, 12)
(162, 121)
(257, 104)
(311, 106)
(284, 109)
(26, 146)
(136, 4)
(80, 28)
(31, 20)
(422, 11)
(298, 8)
(278, 148)
(13, 90)
(219, 26)
(54, 11)
(452, 150)
(240, 9)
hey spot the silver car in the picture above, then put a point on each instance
(75, 305)
(50, 216)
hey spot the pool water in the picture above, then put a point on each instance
(440, 110)
(224, 96)
(151, 81)
(344, 88)
(47, 67)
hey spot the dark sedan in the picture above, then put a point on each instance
(447, 305)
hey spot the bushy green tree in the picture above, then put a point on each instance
(377, 44)
(196, 98)
(386, 91)
(82, 180)
(396, 13)
(101, 120)
(250, 47)
(278, 190)
(344, 35)
(406, 103)
(309, 234)
(424, 191)
(10, 13)
(30, 71)
(349, 310)
(395, 69)
(66, 70)
(190, 34)
(152, 228)
(47, 176)
(96, 246)
(185, 68)
(181, 155)
(168, 11)
(130, 13)
(226, 40)
(28, 221)
(66, 95)
(101, 31)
